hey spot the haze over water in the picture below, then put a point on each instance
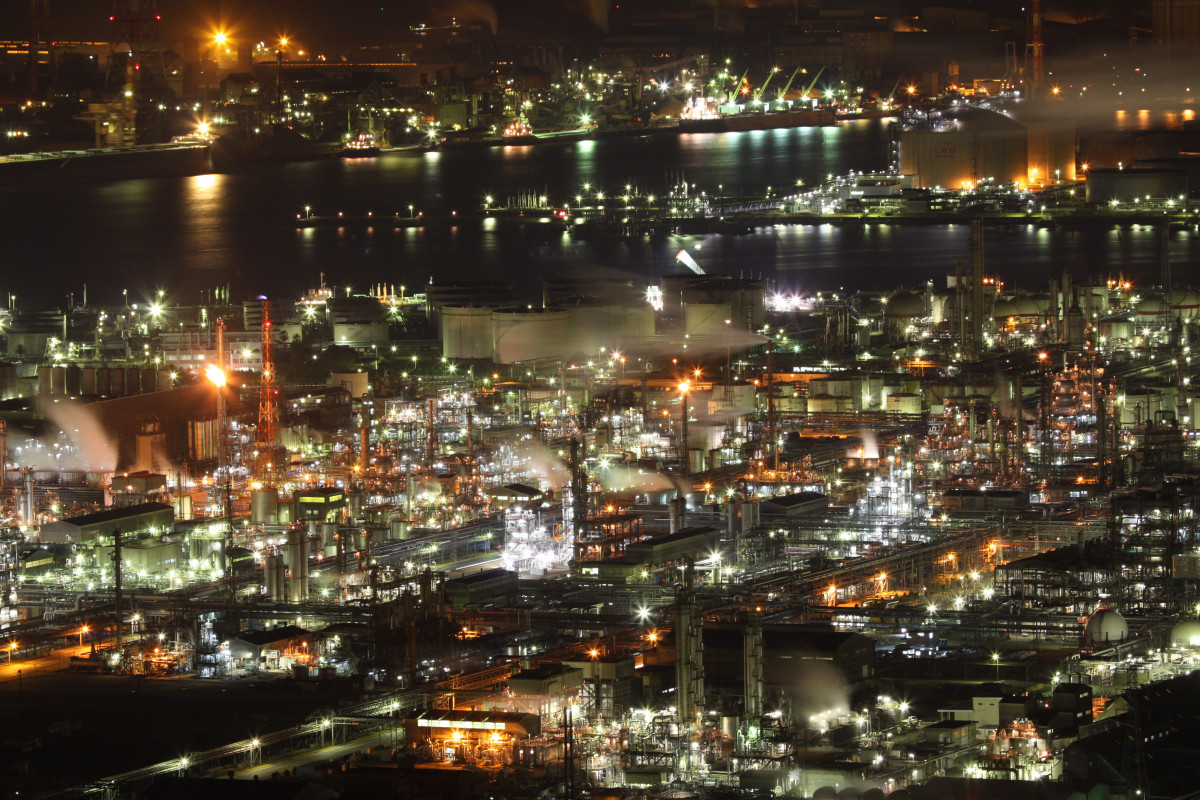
(186, 235)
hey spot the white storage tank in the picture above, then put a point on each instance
(529, 335)
(467, 332)
(638, 320)
(838, 387)
(264, 506)
(904, 403)
(1106, 625)
(707, 319)
(829, 404)
(735, 400)
(594, 326)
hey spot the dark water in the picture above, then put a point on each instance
(186, 235)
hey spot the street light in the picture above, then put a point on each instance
(82, 631)
(11, 647)
(996, 661)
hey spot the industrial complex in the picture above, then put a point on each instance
(695, 535)
(665, 532)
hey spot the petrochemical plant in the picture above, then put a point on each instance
(700, 538)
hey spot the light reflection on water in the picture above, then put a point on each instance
(189, 234)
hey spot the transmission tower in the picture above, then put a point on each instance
(136, 71)
(1035, 64)
(268, 402)
(41, 73)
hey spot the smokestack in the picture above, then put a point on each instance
(976, 287)
(117, 587)
(677, 509)
(298, 563)
(364, 437)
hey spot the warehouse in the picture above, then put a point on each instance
(129, 521)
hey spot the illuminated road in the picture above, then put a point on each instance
(54, 661)
(290, 762)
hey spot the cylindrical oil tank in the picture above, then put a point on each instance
(904, 403)
(735, 400)
(707, 319)
(273, 577)
(264, 507)
(149, 379)
(838, 387)
(58, 380)
(116, 382)
(74, 380)
(467, 332)
(285, 513)
(829, 404)
(399, 529)
(528, 335)
(43, 380)
(185, 506)
(103, 382)
(329, 538)
(133, 381)
(1127, 185)
(87, 382)
(297, 554)
(638, 320)
(164, 380)
(355, 499)
(980, 145)
(593, 326)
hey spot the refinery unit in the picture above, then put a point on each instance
(702, 538)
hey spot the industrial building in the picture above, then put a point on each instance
(130, 521)
(965, 147)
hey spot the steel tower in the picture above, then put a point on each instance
(268, 401)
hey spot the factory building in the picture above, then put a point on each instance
(809, 663)
(129, 521)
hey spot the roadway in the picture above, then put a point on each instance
(290, 762)
(54, 661)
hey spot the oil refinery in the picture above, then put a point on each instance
(693, 539)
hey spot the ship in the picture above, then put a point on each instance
(566, 134)
(518, 132)
(361, 146)
(767, 120)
